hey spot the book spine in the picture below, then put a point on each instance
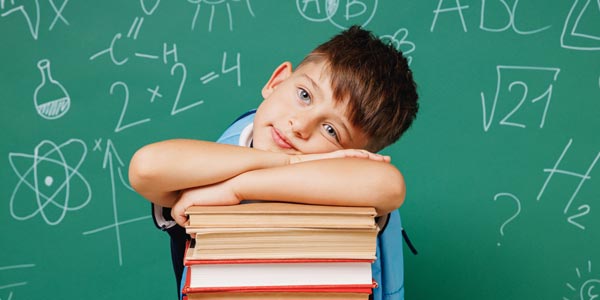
(191, 262)
(350, 288)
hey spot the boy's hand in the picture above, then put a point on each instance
(217, 194)
(345, 153)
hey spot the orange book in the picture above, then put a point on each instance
(280, 215)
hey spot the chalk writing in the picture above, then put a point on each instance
(589, 289)
(134, 30)
(176, 109)
(154, 93)
(508, 85)
(50, 98)
(214, 5)
(575, 37)
(224, 70)
(497, 9)
(583, 209)
(178, 69)
(110, 52)
(352, 11)
(132, 33)
(165, 55)
(97, 145)
(49, 181)
(113, 162)
(513, 216)
(511, 22)
(120, 125)
(458, 8)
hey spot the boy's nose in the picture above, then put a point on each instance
(302, 125)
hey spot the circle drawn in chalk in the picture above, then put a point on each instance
(342, 14)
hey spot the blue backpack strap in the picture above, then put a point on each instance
(388, 269)
(232, 134)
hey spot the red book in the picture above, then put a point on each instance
(267, 274)
(278, 279)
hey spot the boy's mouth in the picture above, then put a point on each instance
(280, 140)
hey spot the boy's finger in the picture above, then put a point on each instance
(179, 219)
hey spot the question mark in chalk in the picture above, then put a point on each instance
(513, 216)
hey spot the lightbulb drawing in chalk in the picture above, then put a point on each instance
(513, 216)
(50, 97)
(589, 289)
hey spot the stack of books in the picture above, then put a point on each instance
(272, 250)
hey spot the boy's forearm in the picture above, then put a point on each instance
(346, 181)
(159, 171)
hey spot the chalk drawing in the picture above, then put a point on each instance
(50, 98)
(457, 8)
(589, 288)
(152, 9)
(511, 22)
(509, 85)
(33, 22)
(400, 42)
(214, 6)
(114, 164)
(584, 209)
(49, 181)
(10, 286)
(58, 13)
(340, 13)
(34, 29)
(576, 38)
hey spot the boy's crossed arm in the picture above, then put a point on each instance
(182, 173)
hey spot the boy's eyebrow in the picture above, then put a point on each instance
(313, 83)
(343, 119)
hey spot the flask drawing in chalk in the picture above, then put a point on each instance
(50, 98)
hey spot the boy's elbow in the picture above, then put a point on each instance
(141, 171)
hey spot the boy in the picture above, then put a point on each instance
(312, 140)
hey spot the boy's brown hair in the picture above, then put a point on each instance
(374, 79)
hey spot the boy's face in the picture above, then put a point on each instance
(299, 115)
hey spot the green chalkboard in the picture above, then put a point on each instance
(501, 165)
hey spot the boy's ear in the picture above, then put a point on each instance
(280, 74)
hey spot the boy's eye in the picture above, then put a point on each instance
(304, 96)
(331, 131)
